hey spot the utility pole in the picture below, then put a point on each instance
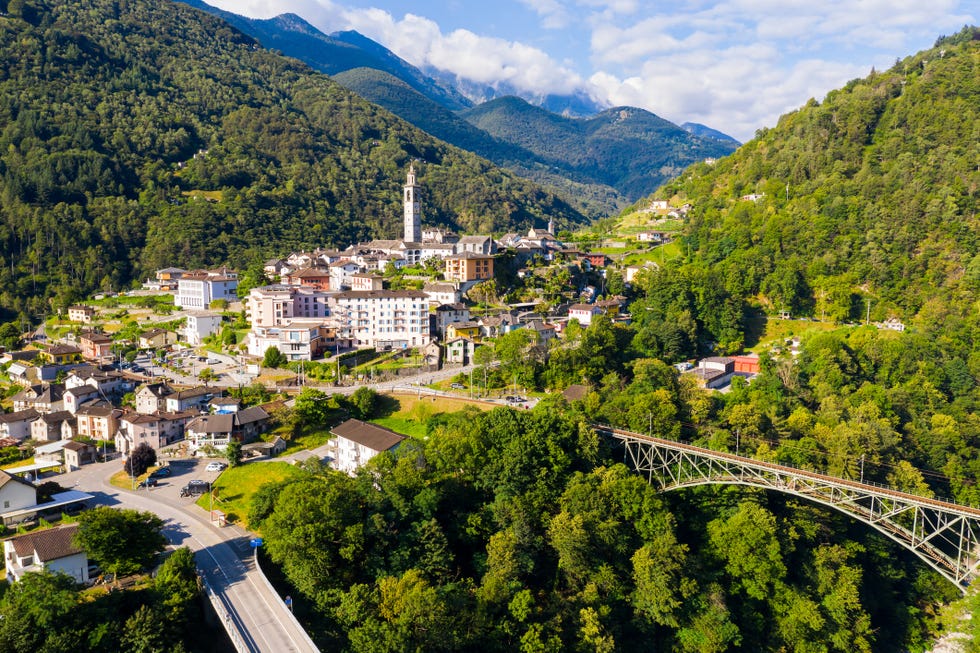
(868, 319)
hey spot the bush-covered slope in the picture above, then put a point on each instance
(627, 148)
(870, 195)
(138, 135)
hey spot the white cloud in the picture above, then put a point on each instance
(553, 14)
(482, 59)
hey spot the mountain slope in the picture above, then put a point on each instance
(141, 135)
(629, 149)
(869, 196)
(336, 53)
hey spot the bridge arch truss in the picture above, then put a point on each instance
(946, 536)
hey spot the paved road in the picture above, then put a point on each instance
(223, 555)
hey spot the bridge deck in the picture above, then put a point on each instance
(866, 487)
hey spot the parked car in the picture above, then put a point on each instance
(457, 386)
(194, 488)
(160, 472)
(215, 467)
(147, 482)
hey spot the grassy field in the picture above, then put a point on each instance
(407, 414)
(236, 485)
(762, 332)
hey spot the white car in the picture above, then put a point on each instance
(215, 467)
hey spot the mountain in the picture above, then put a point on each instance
(575, 105)
(629, 149)
(863, 203)
(594, 199)
(601, 186)
(336, 53)
(707, 132)
(139, 135)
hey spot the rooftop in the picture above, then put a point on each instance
(368, 435)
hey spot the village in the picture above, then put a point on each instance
(430, 300)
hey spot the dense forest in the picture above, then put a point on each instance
(136, 135)
(868, 196)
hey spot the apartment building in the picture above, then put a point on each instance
(196, 290)
(383, 319)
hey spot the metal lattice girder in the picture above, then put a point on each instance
(944, 535)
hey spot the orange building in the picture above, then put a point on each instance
(469, 266)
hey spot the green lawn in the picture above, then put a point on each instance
(236, 485)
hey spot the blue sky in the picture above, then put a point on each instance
(734, 65)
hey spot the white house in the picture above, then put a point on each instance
(15, 494)
(52, 550)
(357, 442)
(196, 290)
(583, 313)
(200, 325)
(17, 425)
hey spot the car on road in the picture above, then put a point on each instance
(147, 483)
(215, 467)
(457, 386)
(160, 472)
(136, 369)
(195, 487)
(514, 399)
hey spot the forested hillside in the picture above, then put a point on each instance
(629, 149)
(138, 135)
(595, 199)
(868, 196)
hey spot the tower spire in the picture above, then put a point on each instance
(413, 208)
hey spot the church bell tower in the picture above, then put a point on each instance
(413, 209)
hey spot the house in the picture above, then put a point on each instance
(595, 260)
(192, 399)
(357, 442)
(200, 325)
(611, 306)
(95, 346)
(714, 372)
(311, 277)
(78, 454)
(441, 293)
(545, 332)
(653, 237)
(157, 430)
(49, 400)
(364, 281)
(469, 330)
(446, 314)
(492, 326)
(218, 430)
(460, 350)
(152, 398)
(47, 427)
(75, 397)
(83, 314)
(52, 550)
(476, 245)
(108, 383)
(224, 405)
(157, 339)
(431, 355)
(17, 425)
(196, 290)
(584, 313)
(15, 495)
(297, 339)
(469, 266)
(98, 421)
(62, 354)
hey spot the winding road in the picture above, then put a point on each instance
(255, 616)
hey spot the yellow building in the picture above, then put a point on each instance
(469, 330)
(469, 266)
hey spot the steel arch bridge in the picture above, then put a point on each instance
(946, 536)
